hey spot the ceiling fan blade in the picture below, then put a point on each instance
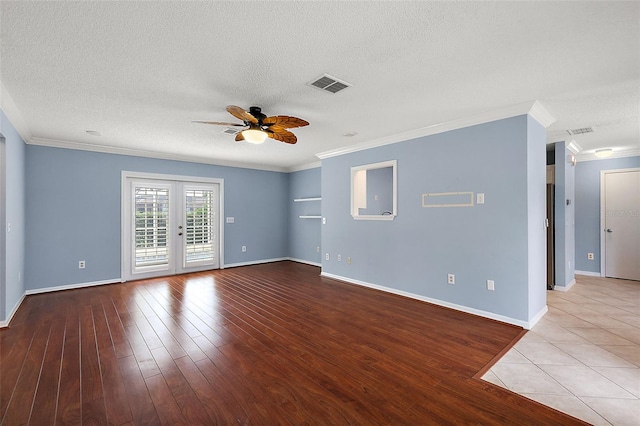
(240, 113)
(284, 121)
(219, 123)
(282, 135)
(239, 137)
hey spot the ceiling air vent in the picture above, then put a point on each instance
(329, 84)
(231, 131)
(580, 131)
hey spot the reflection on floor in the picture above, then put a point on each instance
(583, 357)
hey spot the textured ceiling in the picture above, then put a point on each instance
(140, 72)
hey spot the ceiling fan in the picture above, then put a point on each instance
(260, 126)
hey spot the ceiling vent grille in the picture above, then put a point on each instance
(231, 131)
(329, 84)
(580, 131)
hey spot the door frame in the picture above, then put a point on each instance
(603, 173)
(125, 219)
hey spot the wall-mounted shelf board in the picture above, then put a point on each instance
(298, 200)
(309, 217)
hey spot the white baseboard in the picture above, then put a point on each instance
(4, 324)
(255, 262)
(588, 273)
(293, 259)
(565, 288)
(527, 325)
(537, 317)
(72, 286)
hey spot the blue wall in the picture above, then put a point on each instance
(304, 234)
(564, 217)
(413, 254)
(14, 276)
(588, 208)
(73, 212)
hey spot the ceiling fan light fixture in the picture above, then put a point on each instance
(604, 153)
(255, 136)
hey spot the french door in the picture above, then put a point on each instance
(170, 226)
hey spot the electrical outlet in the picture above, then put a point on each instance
(490, 285)
(244, 249)
(339, 258)
(480, 198)
(590, 256)
(451, 279)
(324, 220)
(348, 261)
(231, 219)
(326, 256)
(81, 264)
(318, 249)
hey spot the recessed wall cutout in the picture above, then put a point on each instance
(448, 199)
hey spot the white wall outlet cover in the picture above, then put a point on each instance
(326, 256)
(490, 285)
(231, 219)
(480, 198)
(451, 279)
(244, 249)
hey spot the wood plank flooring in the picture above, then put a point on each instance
(260, 345)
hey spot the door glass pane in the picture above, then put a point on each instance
(200, 241)
(152, 215)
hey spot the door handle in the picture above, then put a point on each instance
(609, 230)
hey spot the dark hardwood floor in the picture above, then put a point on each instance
(263, 345)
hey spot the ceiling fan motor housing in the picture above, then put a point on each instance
(257, 113)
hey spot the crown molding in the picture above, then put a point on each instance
(307, 166)
(13, 114)
(54, 143)
(532, 108)
(616, 154)
(574, 147)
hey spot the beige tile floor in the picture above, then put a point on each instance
(583, 357)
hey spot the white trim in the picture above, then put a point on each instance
(293, 259)
(4, 324)
(574, 147)
(533, 108)
(13, 114)
(565, 288)
(540, 114)
(72, 286)
(537, 317)
(585, 156)
(527, 325)
(255, 262)
(150, 154)
(307, 166)
(300, 200)
(603, 252)
(588, 273)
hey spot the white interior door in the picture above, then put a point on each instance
(622, 224)
(170, 227)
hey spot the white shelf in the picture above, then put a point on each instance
(309, 217)
(298, 200)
